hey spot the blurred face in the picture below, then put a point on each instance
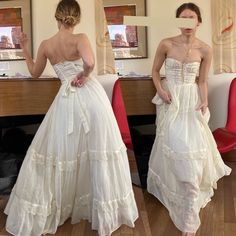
(187, 13)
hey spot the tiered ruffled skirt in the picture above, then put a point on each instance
(76, 167)
(185, 163)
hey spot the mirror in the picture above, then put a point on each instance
(128, 42)
(15, 17)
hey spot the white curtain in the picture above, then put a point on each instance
(224, 35)
(105, 57)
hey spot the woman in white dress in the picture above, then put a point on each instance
(184, 164)
(76, 166)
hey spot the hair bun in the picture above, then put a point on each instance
(69, 20)
(68, 12)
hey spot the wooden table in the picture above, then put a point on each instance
(138, 93)
(34, 96)
(27, 96)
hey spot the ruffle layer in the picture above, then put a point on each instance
(155, 180)
(190, 155)
(104, 206)
(192, 179)
(78, 189)
(173, 197)
(76, 166)
(184, 165)
(106, 216)
(94, 155)
(30, 208)
(186, 206)
(112, 213)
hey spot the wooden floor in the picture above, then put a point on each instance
(218, 217)
(84, 228)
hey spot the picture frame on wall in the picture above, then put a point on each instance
(128, 42)
(15, 17)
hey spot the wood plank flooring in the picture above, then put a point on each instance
(218, 217)
(84, 227)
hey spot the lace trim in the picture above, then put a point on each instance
(93, 155)
(183, 209)
(51, 160)
(32, 208)
(105, 206)
(177, 199)
(169, 153)
(172, 196)
(86, 200)
(104, 155)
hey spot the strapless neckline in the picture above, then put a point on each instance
(180, 62)
(67, 61)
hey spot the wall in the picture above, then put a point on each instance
(218, 84)
(163, 9)
(218, 99)
(44, 25)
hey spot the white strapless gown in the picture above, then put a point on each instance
(184, 164)
(76, 165)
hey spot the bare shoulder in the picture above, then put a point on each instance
(165, 45)
(167, 42)
(48, 42)
(204, 48)
(81, 40)
(45, 43)
(81, 36)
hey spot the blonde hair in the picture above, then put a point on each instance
(68, 12)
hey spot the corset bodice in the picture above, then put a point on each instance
(181, 72)
(67, 70)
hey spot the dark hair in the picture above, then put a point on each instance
(68, 12)
(191, 6)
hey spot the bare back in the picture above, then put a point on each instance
(68, 45)
(63, 46)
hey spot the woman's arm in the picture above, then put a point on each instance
(157, 64)
(203, 77)
(35, 68)
(85, 50)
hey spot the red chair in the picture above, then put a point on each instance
(120, 114)
(226, 137)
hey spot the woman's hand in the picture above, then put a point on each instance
(79, 81)
(165, 96)
(23, 39)
(202, 107)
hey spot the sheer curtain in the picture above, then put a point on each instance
(105, 58)
(224, 35)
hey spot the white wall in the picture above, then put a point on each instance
(218, 99)
(165, 9)
(44, 25)
(218, 84)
